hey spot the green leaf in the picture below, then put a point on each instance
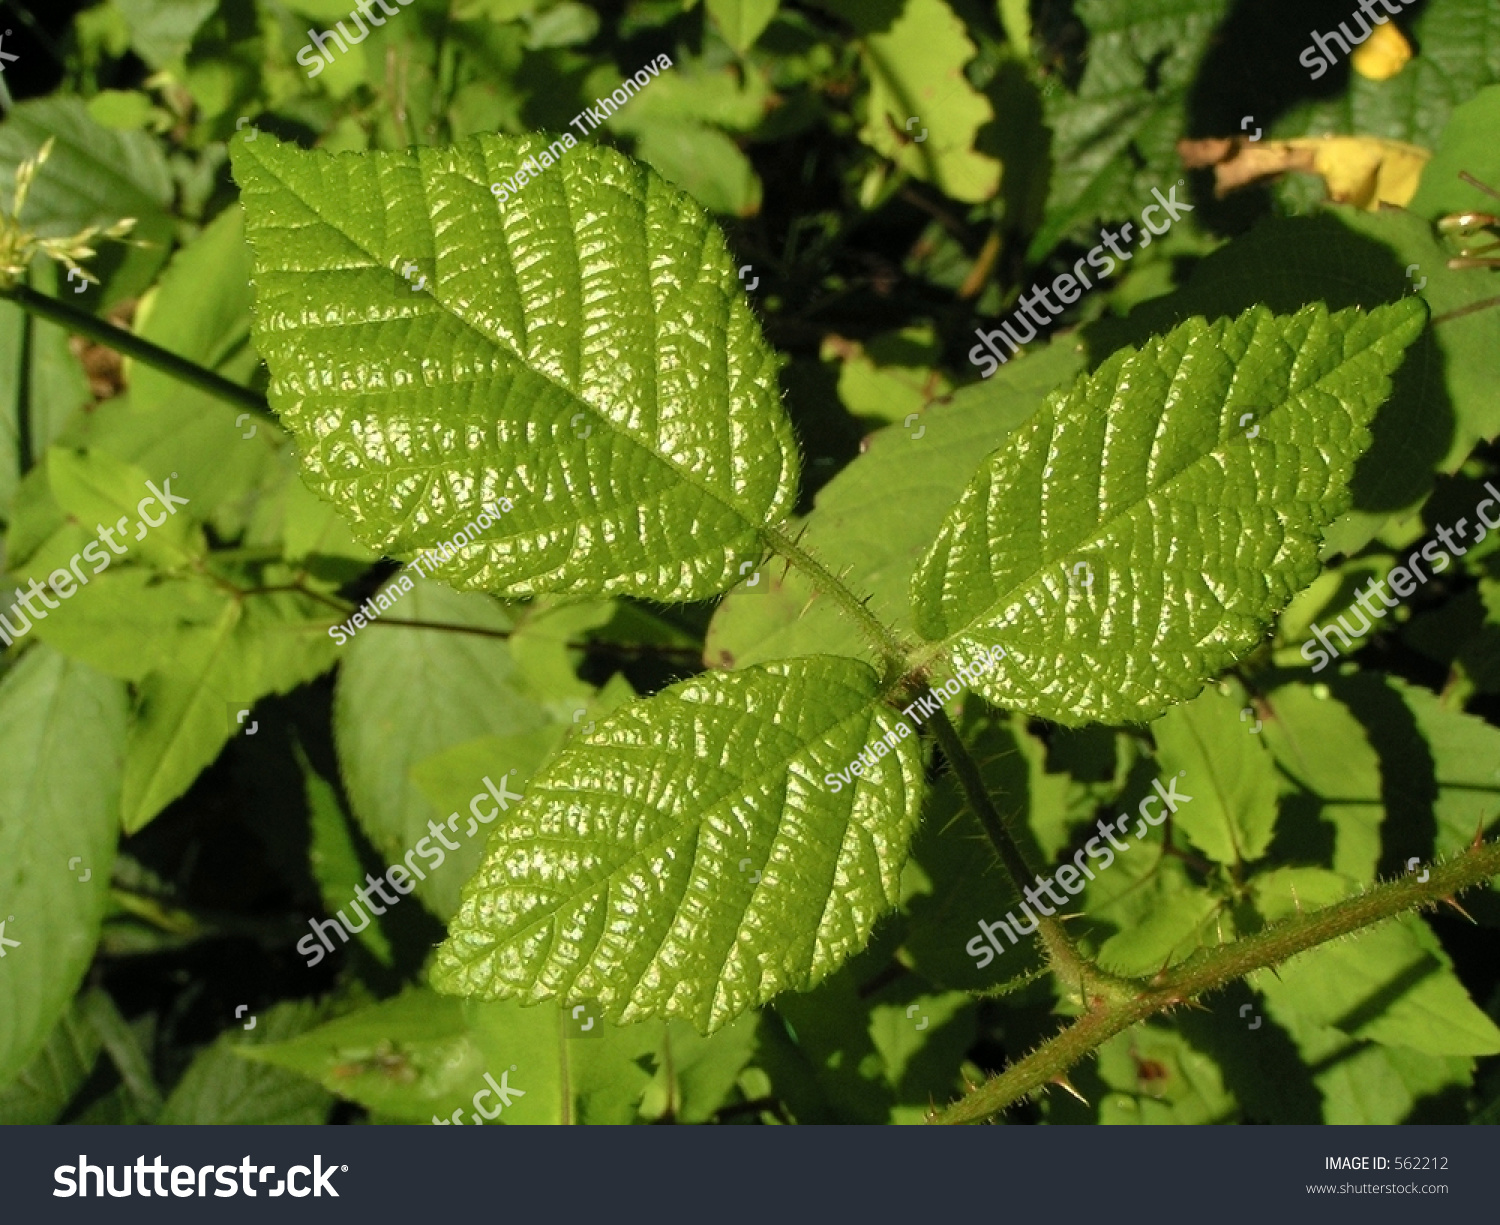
(1439, 768)
(407, 1057)
(732, 97)
(421, 1058)
(221, 1088)
(629, 874)
(45, 1086)
(1392, 984)
(162, 30)
(891, 376)
(1467, 145)
(131, 621)
(96, 491)
(333, 855)
(1369, 1083)
(704, 163)
(1156, 1076)
(1217, 743)
(1340, 789)
(185, 711)
(916, 69)
(63, 728)
(696, 1075)
(741, 21)
(867, 1047)
(643, 448)
(405, 695)
(1441, 402)
(1132, 540)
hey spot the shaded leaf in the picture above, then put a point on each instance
(1215, 739)
(63, 728)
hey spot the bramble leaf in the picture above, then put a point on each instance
(1138, 534)
(691, 858)
(584, 350)
(1114, 139)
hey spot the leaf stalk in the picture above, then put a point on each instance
(128, 343)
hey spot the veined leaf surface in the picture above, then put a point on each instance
(1138, 534)
(688, 858)
(584, 349)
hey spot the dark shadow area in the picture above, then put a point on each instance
(1258, 1059)
(1408, 773)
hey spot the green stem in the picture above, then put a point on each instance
(128, 343)
(887, 646)
(1210, 969)
(1063, 955)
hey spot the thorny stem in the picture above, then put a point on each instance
(892, 653)
(1210, 969)
(56, 311)
(1070, 964)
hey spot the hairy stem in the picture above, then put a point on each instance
(1209, 969)
(1070, 964)
(84, 324)
(889, 648)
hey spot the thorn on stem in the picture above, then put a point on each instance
(1448, 901)
(1064, 1083)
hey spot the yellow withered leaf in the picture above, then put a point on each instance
(1383, 54)
(1361, 170)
